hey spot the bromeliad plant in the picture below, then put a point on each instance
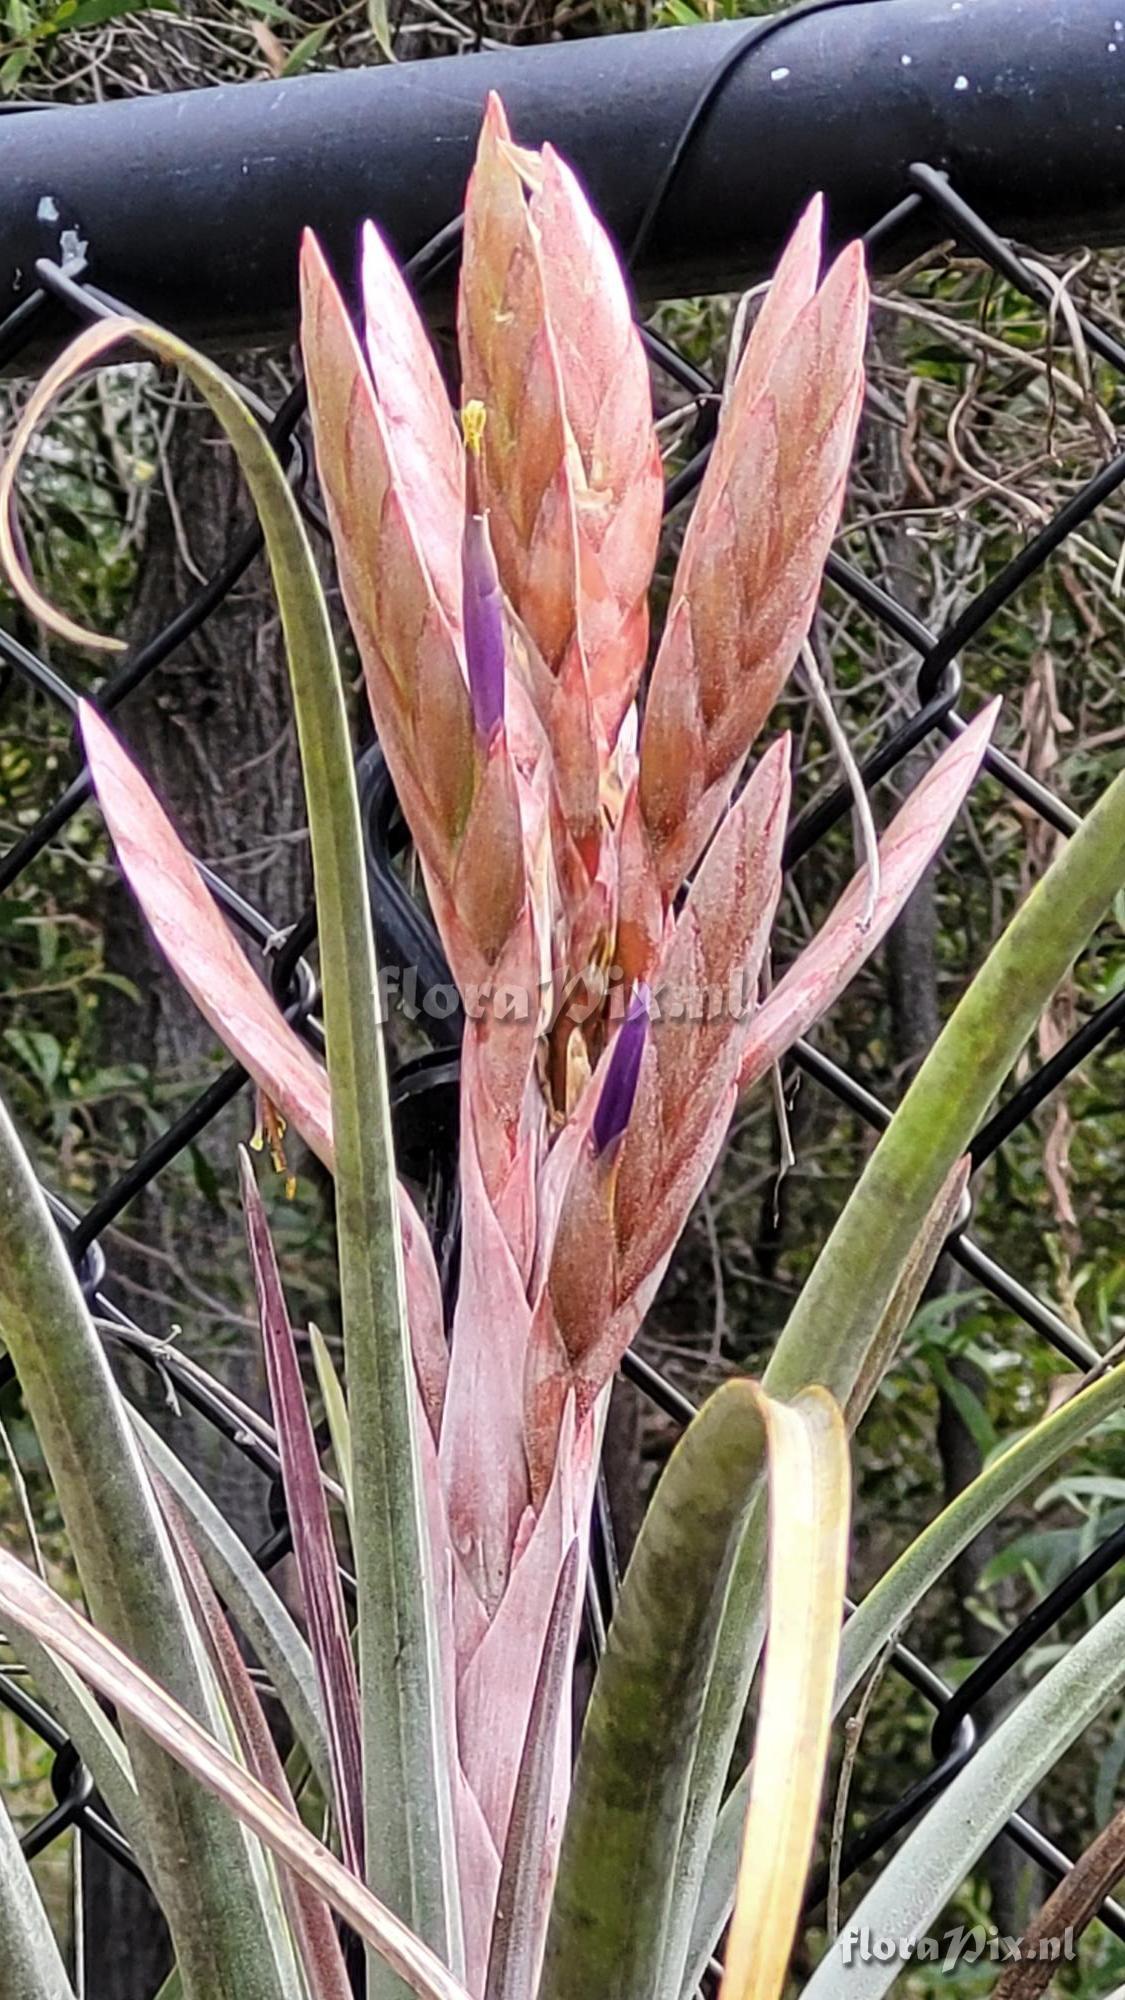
(603, 887)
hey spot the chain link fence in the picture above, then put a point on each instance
(424, 1088)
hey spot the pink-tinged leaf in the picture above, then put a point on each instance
(425, 1310)
(479, 1868)
(420, 425)
(842, 946)
(575, 1210)
(410, 655)
(528, 468)
(198, 943)
(478, 1863)
(214, 970)
(314, 1933)
(582, 1272)
(747, 580)
(38, 1610)
(513, 1959)
(642, 922)
(618, 482)
(501, 1039)
(488, 886)
(313, 1544)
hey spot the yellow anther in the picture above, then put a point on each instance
(269, 1132)
(472, 426)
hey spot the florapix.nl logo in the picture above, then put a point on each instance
(962, 1945)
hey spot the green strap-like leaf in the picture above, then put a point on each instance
(92, 1733)
(615, 1876)
(890, 1603)
(918, 1568)
(829, 1329)
(30, 1965)
(339, 1423)
(839, 1313)
(409, 1817)
(410, 1845)
(41, 1610)
(252, 1599)
(917, 1883)
(226, 1938)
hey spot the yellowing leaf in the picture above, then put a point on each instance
(336, 1411)
(809, 1485)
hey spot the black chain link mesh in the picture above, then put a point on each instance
(406, 939)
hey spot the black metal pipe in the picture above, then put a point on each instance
(190, 205)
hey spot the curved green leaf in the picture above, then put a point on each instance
(890, 1603)
(615, 1878)
(838, 1315)
(30, 1965)
(829, 1329)
(409, 1820)
(224, 1934)
(252, 1600)
(920, 1878)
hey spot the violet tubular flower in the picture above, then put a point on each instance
(615, 1105)
(482, 602)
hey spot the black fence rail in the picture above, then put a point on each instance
(925, 205)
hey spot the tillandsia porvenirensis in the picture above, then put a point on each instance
(600, 844)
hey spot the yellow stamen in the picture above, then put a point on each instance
(472, 426)
(270, 1132)
(577, 1068)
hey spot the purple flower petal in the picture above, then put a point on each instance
(482, 611)
(615, 1104)
(482, 601)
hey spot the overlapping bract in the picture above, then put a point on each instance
(555, 839)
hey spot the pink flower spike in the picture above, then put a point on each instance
(615, 1105)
